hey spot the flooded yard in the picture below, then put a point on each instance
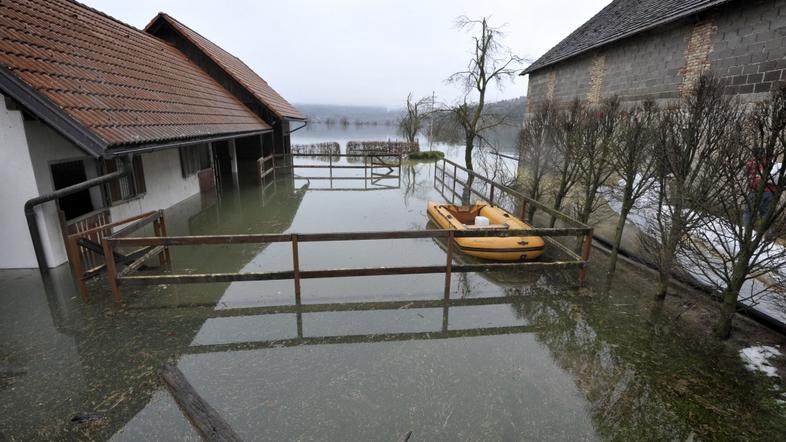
(506, 357)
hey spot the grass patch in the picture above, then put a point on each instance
(426, 155)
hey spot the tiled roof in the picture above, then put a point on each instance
(121, 84)
(620, 19)
(237, 69)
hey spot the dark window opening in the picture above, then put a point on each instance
(128, 186)
(65, 175)
(193, 159)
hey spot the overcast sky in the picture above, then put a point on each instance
(362, 52)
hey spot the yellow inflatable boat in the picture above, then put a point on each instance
(511, 248)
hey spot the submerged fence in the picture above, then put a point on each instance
(446, 178)
(160, 244)
(376, 168)
(387, 147)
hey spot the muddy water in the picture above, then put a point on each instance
(506, 357)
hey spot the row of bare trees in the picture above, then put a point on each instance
(703, 172)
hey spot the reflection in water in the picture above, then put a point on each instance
(505, 357)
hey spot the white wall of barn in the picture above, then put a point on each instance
(18, 186)
(29, 148)
(46, 147)
(164, 182)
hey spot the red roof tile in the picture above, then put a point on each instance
(237, 69)
(122, 84)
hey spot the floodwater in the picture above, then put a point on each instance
(506, 357)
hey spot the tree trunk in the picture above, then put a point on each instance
(669, 249)
(664, 276)
(534, 194)
(469, 144)
(557, 204)
(730, 295)
(627, 205)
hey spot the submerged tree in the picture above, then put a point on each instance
(567, 150)
(734, 241)
(693, 135)
(412, 121)
(633, 160)
(536, 141)
(490, 65)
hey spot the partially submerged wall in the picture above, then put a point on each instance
(164, 182)
(17, 187)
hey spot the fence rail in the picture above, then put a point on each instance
(581, 231)
(87, 248)
(370, 163)
(161, 243)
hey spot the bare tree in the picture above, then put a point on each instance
(734, 241)
(691, 138)
(412, 121)
(536, 141)
(491, 64)
(596, 133)
(633, 160)
(567, 150)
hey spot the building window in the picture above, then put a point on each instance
(194, 158)
(128, 186)
(67, 174)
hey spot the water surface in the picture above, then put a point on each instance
(505, 357)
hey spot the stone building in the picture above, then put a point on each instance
(656, 49)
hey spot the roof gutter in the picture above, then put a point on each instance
(50, 113)
(626, 35)
(305, 123)
(175, 144)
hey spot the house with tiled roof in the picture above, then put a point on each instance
(84, 95)
(656, 49)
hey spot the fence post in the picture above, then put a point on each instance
(585, 254)
(296, 268)
(162, 227)
(157, 234)
(491, 193)
(75, 258)
(523, 209)
(111, 270)
(449, 264)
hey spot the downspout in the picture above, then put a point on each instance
(35, 234)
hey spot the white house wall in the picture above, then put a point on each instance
(28, 150)
(164, 183)
(47, 147)
(18, 186)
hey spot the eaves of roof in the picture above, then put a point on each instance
(559, 54)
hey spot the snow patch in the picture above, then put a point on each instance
(757, 358)
(755, 292)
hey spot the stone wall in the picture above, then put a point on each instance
(743, 43)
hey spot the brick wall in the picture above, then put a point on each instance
(743, 43)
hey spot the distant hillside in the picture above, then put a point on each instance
(327, 113)
(330, 113)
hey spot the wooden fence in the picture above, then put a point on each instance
(161, 243)
(446, 171)
(376, 167)
(86, 248)
(125, 278)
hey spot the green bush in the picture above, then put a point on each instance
(426, 155)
